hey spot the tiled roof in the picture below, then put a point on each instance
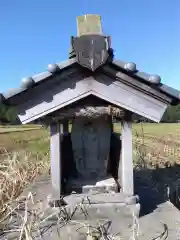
(37, 79)
(128, 68)
(153, 80)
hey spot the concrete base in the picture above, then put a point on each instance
(99, 205)
(86, 186)
(93, 208)
(106, 185)
(103, 209)
(150, 225)
(96, 198)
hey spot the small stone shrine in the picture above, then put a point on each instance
(79, 99)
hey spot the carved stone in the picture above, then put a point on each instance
(91, 148)
(69, 170)
(91, 144)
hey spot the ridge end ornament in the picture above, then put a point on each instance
(91, 50)
(91, 47)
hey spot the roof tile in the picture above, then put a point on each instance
(128, 67)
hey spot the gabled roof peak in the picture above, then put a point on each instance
(128, 68)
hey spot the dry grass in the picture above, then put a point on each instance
(24, 155)
(22, 222)
(16, 172)
(19, 128)
(32, 141)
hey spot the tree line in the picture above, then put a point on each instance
(172, 114)
(8, 115)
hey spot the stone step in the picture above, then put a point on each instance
(102, 211)
(77, 230)
(100, 205)
(87, 186)
(114, 218)
(101, 198)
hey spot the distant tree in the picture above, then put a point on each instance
(172, 114)
(8, 115)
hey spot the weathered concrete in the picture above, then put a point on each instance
(151, 225)
(119, 214)
(86, 186)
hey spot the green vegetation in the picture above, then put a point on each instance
(8, 115)
(172, 114)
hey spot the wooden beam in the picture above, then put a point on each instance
(125, 172)
(55, 148)
(88, 111)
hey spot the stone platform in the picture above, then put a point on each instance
(119, 217)
(101, 205)
(107, 184)
(99, 200)
(151, 226)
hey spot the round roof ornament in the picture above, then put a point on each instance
(155, 79)
(27, 82)
(130, 67)
(53, 68)
(11, 92)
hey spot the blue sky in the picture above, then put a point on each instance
(34, 33)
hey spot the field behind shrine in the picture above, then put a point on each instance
(156, 142)
(24, 154)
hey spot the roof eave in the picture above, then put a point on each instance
(31, 82)
(128, 68)
(147, 79)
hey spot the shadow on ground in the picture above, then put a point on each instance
(156, 186)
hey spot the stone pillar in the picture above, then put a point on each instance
(125, 171)
(55, 155)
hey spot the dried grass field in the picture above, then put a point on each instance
(24, 155)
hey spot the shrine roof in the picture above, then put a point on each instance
(127, 68)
